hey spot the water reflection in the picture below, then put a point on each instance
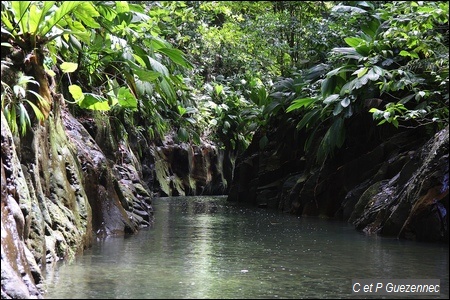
(203, 247)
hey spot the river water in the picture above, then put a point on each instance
(205, 247)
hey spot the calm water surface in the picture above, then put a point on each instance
(204, 247)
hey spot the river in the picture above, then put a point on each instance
(205, 247)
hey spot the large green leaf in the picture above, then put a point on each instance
(168, 91)
(373, 75)
(24, 118)
(141, 52)
(361, 72)
(348, 52)
(126, 98)
(328, 86)
(406, 99)
(315, 72)
(177, 56)
(37, 17)
(181, 110)
(122, 7)
(331, 99)
(337, 132)
(263, 142)
(157, 43)
(86, 13)
(76, 92)
(75, 43)
(379, 71)
(158, 67)
(259, 96)
(271, 108)
(20, 9)
(68, 67)
(7, 24)
(66, 8)
(337, 109)
(310, 139)
(334, 137)
(10, 115)
(107, 12)
(411, 54)
(143, 87)
(309, 119)
(343, 69)
(36, 110)
(354, 41)
(345, 102)
(347, 88)
(140, 61)
(94, 102)
(146, 75)
(370, 28)
(348, 9)
(182, 135)
(298, 103)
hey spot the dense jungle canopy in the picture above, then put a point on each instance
(220, 70)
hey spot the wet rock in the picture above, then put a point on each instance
(384, 181)
(184, 169)
(18, 278)
(103, 188)
(417, 200)
(60, 188)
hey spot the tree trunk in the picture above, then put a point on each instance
(34, 67)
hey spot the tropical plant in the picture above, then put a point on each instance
(31, 25)
(138, 73)
(231, 118)
(376, 69)
(106, 55)
(14, 102)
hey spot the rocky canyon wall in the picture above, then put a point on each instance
(389, 183)
(60, 190)
(183, 169)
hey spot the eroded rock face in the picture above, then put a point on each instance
(394, 186)
(19, 274)
(59, 190)
(261, 176)
(17, 278)
(186, 170)
(99, 183)
(413, 204)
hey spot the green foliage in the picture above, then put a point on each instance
(237, 46)
(34, 23)
(222, 69)
(226, 116)
(382, 62)
(390, 114)
(29, 27)
(14, 103)
(111, 46)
